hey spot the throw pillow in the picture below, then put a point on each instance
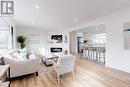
(24, 56)
(16, 55)
(21, 56)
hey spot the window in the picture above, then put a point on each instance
(4, 39)
(99, 38)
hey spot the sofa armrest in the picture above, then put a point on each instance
(22, 67)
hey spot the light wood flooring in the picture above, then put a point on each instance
(88, 74)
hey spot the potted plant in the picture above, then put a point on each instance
(21, 40)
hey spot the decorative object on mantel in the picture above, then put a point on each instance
(126, 36)
(21, 40)
(65, 52)
(56, 38)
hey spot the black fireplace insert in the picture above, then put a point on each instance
(56, 49)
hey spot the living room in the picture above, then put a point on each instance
(39, 43)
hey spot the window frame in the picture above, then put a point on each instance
(99, 38)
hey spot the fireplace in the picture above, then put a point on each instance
(56, 50)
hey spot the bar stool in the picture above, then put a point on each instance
(94, 53)
(100, 50)
(91, 51)
(85, 52)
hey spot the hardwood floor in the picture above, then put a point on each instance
(88, 74)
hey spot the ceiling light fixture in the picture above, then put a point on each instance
(37, 7)
(76, 19)
(33, 22)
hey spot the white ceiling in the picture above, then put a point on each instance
(61, 14)
(94, 29)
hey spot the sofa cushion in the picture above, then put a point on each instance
(15, 55)
(8, 59)
(32, 56)
(21, 56)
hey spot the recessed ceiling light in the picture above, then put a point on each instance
(33, 22)
(60, 27)
(37, 7)
(76, 19)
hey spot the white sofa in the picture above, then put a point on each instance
(20, 67)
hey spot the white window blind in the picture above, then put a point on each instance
(4, 38)
(99, 38)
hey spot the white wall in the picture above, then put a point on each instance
(45, 38)
(116, 56)
(73, 42)
(29, 32)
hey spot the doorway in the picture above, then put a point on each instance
(79, 44)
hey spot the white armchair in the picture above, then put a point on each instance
(64, 65)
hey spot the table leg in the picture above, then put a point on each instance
(9, 74)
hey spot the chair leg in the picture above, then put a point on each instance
(93, 55)
(100, 57)
(104, 59)
(52, 71)
(74, 74)
(88, 54)
(96, 56)
(36, 73)
(58, 77)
